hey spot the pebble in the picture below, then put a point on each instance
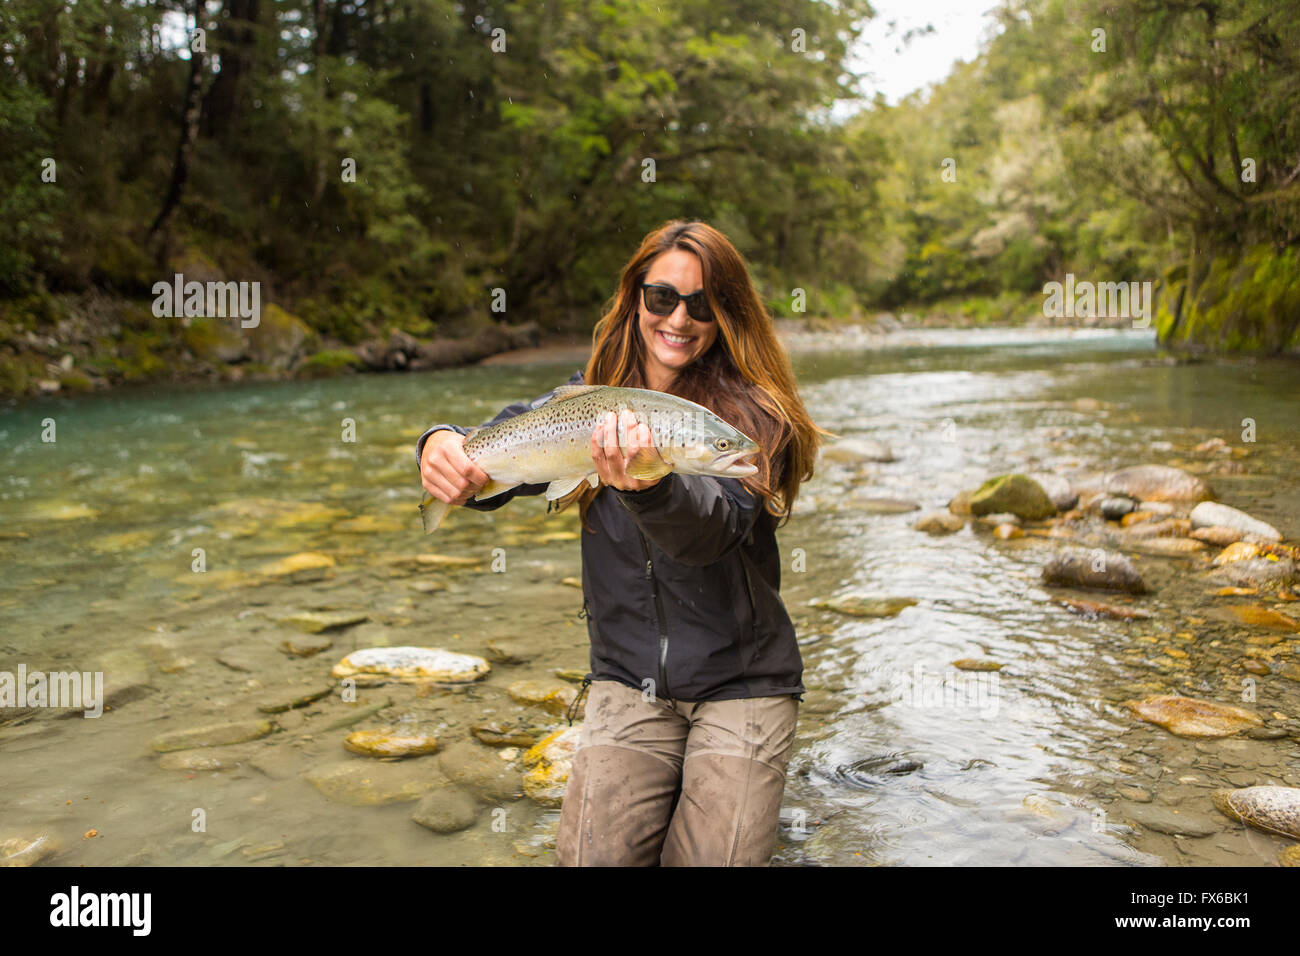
(378, 665)
(977, 664)
(1157, 483)
(1103, 570)
(446, 810)
(213, 735)
(315, 622)
(389, 742)
(1190, 717)
(1172, 822)
(499, 735)
(554, 698)
(939, 523)
(364, 783)
(308, 645)
(1211, 514)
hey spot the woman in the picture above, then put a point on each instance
(695, 672)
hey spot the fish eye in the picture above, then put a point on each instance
(722, 444)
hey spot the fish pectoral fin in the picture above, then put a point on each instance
(565, 392)
(593, 479)
(432, 511)
(494, 488)
(562, 486)
(648, 465)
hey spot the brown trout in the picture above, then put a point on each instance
(552, 443)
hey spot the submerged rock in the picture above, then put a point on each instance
(500, 735)
(1272, 809)
(550, 762)
(1103, 570)
(862, 605)
(481, 772)
(939, 522)
(378, 665)
(363, 783)
(315, 622)
(555, 698)
(1217, 536)
(1172, 822)
(26, 851)
(304, 565)
(390, 742)
(1211, 514)
(977, 664)
(1058, 489)
(853, 450)
(307, 645)
(1098, 609)
(1157, 483)
(1189, 717)
(1018, 494)
(205, 761)
(446, 810)
(213, 735)
(1114, 508)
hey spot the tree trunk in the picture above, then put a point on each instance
(184, 148)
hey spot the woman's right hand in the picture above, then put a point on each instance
(446, 471)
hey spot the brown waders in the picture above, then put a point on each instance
(676, 783)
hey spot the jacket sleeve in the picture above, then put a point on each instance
(510, 411)
(694, 519)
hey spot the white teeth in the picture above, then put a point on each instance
(679, 339)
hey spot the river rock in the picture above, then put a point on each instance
(315, 622)
(293, 698)
(862, 605)
(1098, 609)
(1168, 528)
(1166, 547)
(1157, 483)
(977, 664)
(304, 566)
(1210, 514)
(1289, 856)
(1217, 536)
(1189, 717)
(1103, 570)
(379, 665)
(1168, 820)
(1008, 532)
(500, 735)
(939, 522)
(1114, 508)
(1257, 616)
(853, 450)
(1272, 809)
(446, 810)
(998, 518)
(307, 645)
(390, 742)
(364, 783)
(550, 763)
(554, 698)
(213, 735)
(1018, 494)
(204, 761)
(875, 505)
(960, 503)
(481, 772)
(1058, 489)
(26, 851)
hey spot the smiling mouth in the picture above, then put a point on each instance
(680, 343)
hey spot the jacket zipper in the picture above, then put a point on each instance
(659, 617)
(753, 611)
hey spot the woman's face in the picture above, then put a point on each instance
(674, 341)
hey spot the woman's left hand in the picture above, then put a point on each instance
(611, 462)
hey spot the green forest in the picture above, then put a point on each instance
(398, 172)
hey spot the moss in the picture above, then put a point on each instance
(75, 381)
(14, 376)
(1247, 302)
(330, 362)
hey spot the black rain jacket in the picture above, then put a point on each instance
(681, 585)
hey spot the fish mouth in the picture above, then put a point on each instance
(733, 467)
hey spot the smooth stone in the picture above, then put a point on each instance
(1008, 532)
(1166, 547)
(481, 772)
(305, 562)
(960, 504)
(1258, 572)
(553, 698)
(1002, 517)
(504, 652)
(862, 605)
(1272, 809)
(1167, 528)
(550, 762)
(390, 742)
(572, 582)
(1115, 508)
(572, 674)
(939, 523)
(378, 665)
(1157, 483)
(1058, 489)
(1080, 569)
(364, 783)
(1171, 822)
(1267, 733)
(1189, 717)
(214, 735)
(1211, 514)
(446, 810)
(499, 735)
(1136, 794)
(1159, 509)
(1256, 616)
(1018, 494)
(1217, 536)
(875, 505)
(307, 645)
(314, 622)
(977, 664)
(1253, 666)
(209, 761)
(26, 851)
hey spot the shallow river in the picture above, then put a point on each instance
(899, 759)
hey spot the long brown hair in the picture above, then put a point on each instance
(745, 377)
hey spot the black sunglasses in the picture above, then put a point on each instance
(663, 299)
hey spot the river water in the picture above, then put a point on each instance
(899, 759)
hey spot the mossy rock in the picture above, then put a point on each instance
(216, 340)
(330, 362)
(1019, 495)
(75, 381)
(279, 339)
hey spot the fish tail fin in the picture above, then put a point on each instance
(432, 511)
